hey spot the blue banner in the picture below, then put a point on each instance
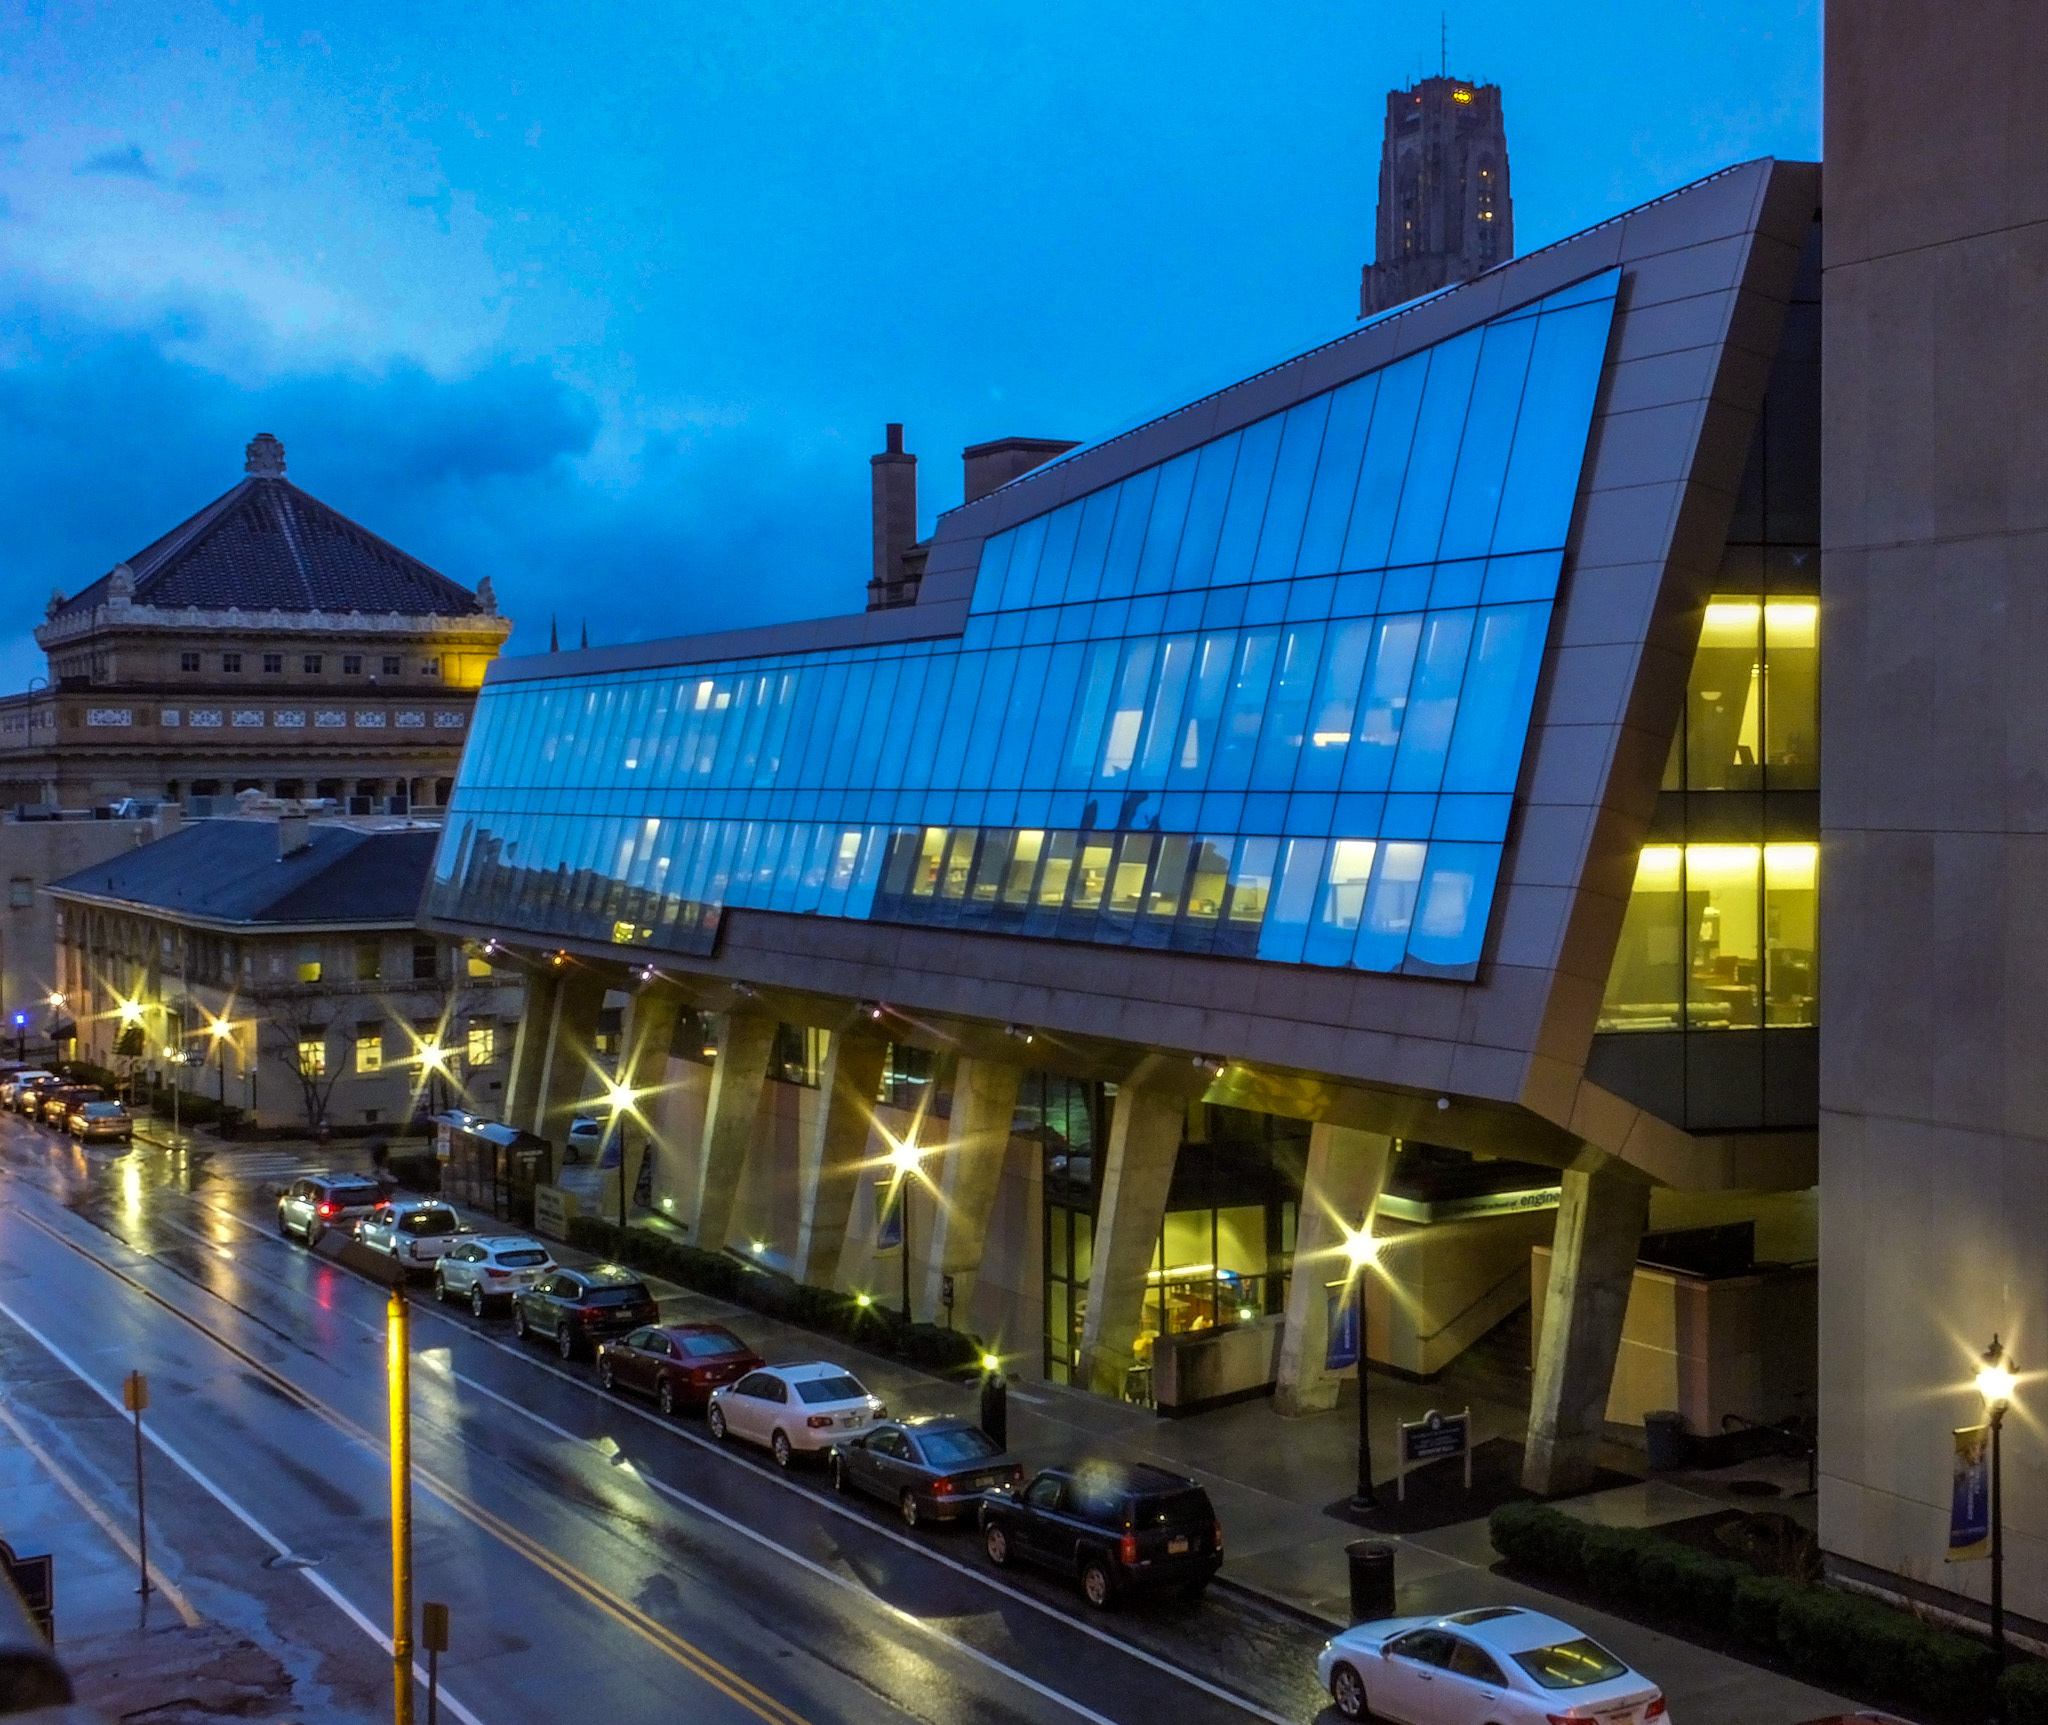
(1341, 1352)
(1969, 1511)
(888, 1216)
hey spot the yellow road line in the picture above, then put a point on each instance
(665, 1640)
(99, 1517)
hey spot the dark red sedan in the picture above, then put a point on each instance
(679, 1365)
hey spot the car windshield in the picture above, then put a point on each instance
(961, 1444)
(520, 1258)
(1572, 1665)
(1176, 1509)
(840, 1389)
(101, 1110)
(630, 1294)
(702, 1343)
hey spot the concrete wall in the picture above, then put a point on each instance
(1934, 804)
(32, 854)
(1447, 1284)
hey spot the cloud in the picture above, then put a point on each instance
(129, 164)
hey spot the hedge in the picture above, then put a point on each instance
(877, 1328)
(1824, 1636)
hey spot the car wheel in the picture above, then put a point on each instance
(665, 1395)
(440, 1286)
(313, 1233)
(476, 1302)
(519, 1322)
(565, 1340)
(906, 1506)
(604, 1373)
(1096, 1586)
(714, 1417)
(778, 1447)
(283, 1227)
(1347, 1689)
(996, 1543)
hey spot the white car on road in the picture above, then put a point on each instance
(1498, 1665)
(794, 1410)
(487, 1268)
(414, 1231)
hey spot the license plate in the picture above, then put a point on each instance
(849, 1419)
(1177, 1546)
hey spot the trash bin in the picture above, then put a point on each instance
(1664, 1432)
(1372, 1579)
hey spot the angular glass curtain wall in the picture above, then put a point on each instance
(1268, 698)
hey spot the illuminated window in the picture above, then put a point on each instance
(481, 1046)
(369, 1048)
(1752, 708)
(313, 1056)
(309, 964)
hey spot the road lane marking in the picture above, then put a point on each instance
(326, 1587)
(99, 1517)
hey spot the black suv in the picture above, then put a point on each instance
(1116, 1526)
(576, 1307)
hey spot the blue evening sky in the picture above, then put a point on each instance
(610, 302)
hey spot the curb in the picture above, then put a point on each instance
(1286, 1607)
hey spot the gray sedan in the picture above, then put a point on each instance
(931, 1469)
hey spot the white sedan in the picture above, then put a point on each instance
(794, 1409)
(1499, 1665)
(488, 1268)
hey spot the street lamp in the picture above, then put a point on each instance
(904, 1157)
(619, 1099)
(1995, 1383)
(220, 1030)
(1364, 1252)
(433, 1060)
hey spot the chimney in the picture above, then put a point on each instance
(294, 834)
(895, 488)
(991, 465)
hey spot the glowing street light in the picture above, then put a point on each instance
(619, 1099)
(905, 1157)
(221, 1031)
(131, 1011)
(1364, 1252)
(1996, 1382)
(55, 1000)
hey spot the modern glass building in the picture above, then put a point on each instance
(1395, 768)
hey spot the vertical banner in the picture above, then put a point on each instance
(888, 1216)
(1969, 1511)
(1340, 1353)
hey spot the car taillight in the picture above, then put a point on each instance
(326, 1209)
(498, 1275)
(880, 1411)
(1655, 1710)
(942, 1488)
(1216, 1535)
(1128, 1549)
(818, 1422)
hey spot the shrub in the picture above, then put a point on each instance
(1753, 1613)
(1609, 1561)
(1690, 1583)
(2025, 1692)
(1843, 1638)
(1518, 1532)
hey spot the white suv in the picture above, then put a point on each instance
(412, 1230)
(794, 1409)
(487, 1268)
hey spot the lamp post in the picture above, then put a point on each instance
(434, 1062)
(1364, 1252)
(220, 1030)
(904, 1157)
(1995, 1382)
(619, 1099)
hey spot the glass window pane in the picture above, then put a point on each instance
(1091, 545)
(1489, 429)
(1723, 917)
(1791, 978)
(1061, 528)
(1169, 515)
(1724, 699)
(1385, 463)
(1301, 439)
(1238, 743)
(1127, 714)
(1251, 882)
(1369, 763)
(1493, 711)
(1197, 555)
(958, 728)
(1196, 745)
(1127, 537)
(995, 565)
(1438, 429)
(1335, 706)
(1098, 684)
(1019, 721)
(1249, 488)
(1162, 730)
(1286, 926)
(1550, 436)
(985, 727)
(1022, 871)
(1341, 908)
(1450, 915)
(1329, 509)
(1792, 694)
(1389, 906)
(1433, 701)
(1280, 738)
(1055, 707)
(1023, 570)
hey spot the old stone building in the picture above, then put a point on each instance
(1445, 214)
(268, 643)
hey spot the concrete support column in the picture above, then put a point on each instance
(1592, 1265)
(649, 1028)
(569, 1077)
(1347, 1169)
(833, 1149)
(530, 1048)
(737, 1080)
(969, 1169)
(1144, 1138)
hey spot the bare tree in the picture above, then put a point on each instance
(302, 1051)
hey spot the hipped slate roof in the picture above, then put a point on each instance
(266, 545)
(228, 871)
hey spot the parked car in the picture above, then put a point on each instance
(577, 1307)
(308, 1208)
(794, 1409)
(586, 1136)
(1499, 1663)
(488, 1268)
(679, 1365)
(54, 1102)
(413, 1231)
(1117, 1527)
(90, 1120)
(930, 1469)
(14, 1089)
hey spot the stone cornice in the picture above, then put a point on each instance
(118, 614)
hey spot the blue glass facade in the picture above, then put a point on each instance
(1268, 698)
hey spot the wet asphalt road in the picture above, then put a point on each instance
(600, 1563)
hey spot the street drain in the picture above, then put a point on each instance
(292, 1560)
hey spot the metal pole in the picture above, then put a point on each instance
(903, 1228)
(398, 1347)
(137, 1397)
(1997, 1537)
(1364, 1497)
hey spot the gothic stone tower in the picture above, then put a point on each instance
(1445, 214)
